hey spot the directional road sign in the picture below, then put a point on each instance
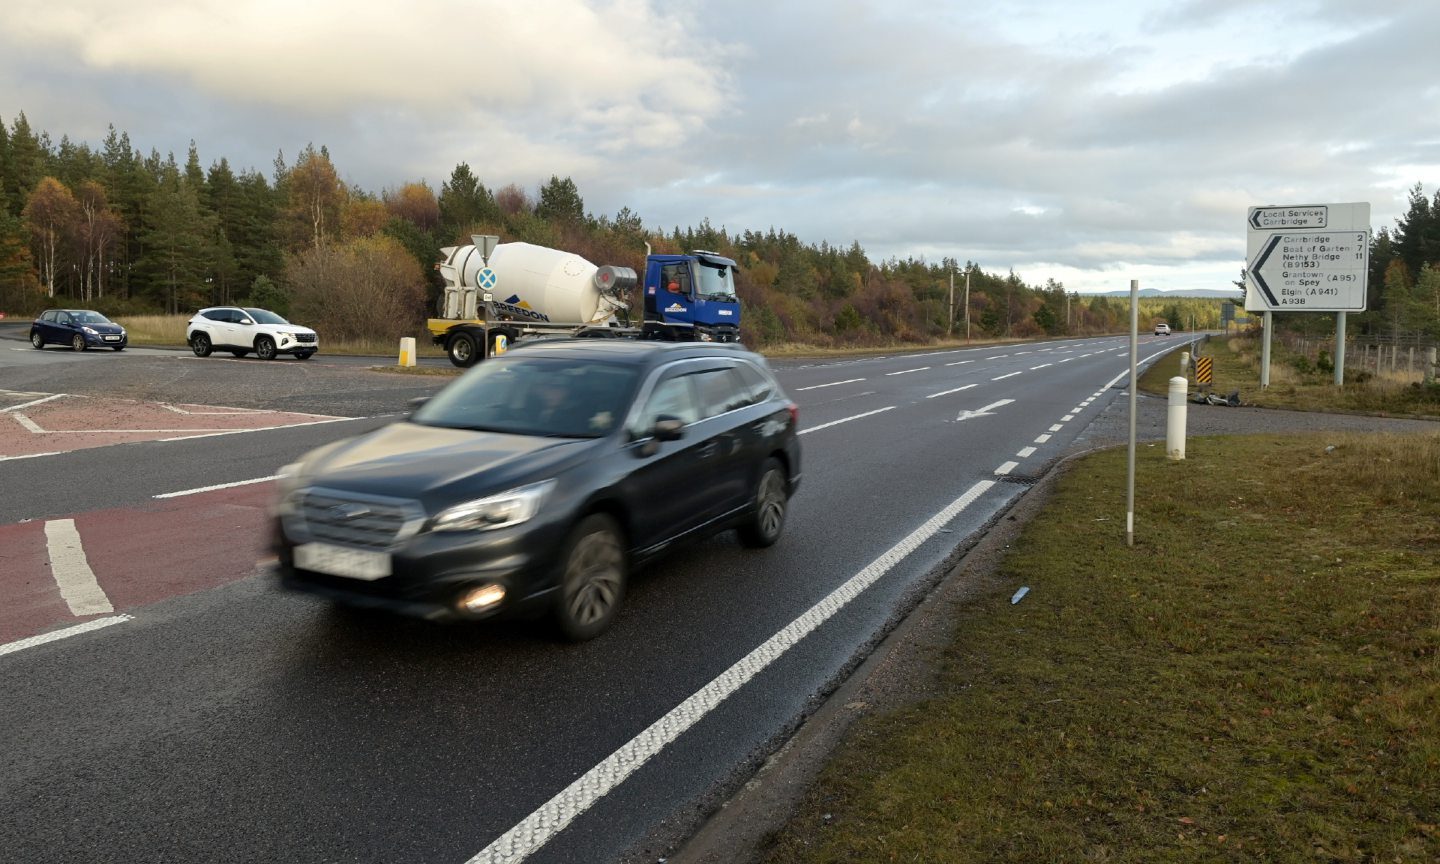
(1309, 258)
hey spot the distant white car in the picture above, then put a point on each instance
(242, 330)
(1162, 329)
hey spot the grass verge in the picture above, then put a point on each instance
(1256, 680)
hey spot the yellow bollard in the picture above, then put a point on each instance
(407, 351)
(501, 343)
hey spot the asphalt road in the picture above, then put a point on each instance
(226, 721)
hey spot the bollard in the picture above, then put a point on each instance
(502, 344)
(407, 351)
(1185, 363)
(1175, 416)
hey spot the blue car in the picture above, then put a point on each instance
(78, 328)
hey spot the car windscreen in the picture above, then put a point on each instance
(535, 396)
(84, 316)
(263, 316)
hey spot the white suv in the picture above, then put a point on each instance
(1162, 329)
(241, 331)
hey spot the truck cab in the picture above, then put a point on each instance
(691, 298)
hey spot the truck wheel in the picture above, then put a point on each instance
(462, 350)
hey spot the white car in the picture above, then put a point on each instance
(244, 330)
(1162, 329)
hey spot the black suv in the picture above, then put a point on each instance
(539, 479)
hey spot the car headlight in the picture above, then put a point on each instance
(90, 330)
(497, 511)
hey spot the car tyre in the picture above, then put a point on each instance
(239, 354)
(463, 350)
(304, 355)
(77, 343)
(265, 348)
(770, 505)
(592, 578)
(37, 340)
(117, 347)
(200, 344)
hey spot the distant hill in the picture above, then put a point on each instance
(1200, 293)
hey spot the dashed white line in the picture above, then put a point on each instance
(1011, 375)
(907, 371)
(843, 420)
(997, 357)
(1067, 418)
(535, 830)
(56, 635)
(959, 362)
(218, 486)
(1042, 439)
(948, 392)
(1006, 468)
(1057, 427)
(1026, 452)
(71, 570)
(831, 384)
(1041, 366)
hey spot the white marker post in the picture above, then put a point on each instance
(1134, 352)
(407, 351)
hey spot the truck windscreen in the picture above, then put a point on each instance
(717, 282)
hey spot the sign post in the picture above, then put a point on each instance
(1307, 258)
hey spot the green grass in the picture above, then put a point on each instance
(1296, 385)
(1256, 680)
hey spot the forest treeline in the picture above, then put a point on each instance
(123, 232)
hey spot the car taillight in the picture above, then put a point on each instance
(794, 413)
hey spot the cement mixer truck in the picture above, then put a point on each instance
(521, 291)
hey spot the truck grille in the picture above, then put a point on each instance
(352, 519)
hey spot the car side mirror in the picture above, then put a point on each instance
(668, 428)
(246, 321)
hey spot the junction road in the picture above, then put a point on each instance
(164, 702)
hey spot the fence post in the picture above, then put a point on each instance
(1430, 365)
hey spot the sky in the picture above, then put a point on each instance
(1092, 143)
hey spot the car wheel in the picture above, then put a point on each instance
(200, 344)
(117, 347)
(265, 348)
(592, 583)
(77, 343)
(37, 340)
(462, 350)
(768, 519)
(304, 355)
(239, 353)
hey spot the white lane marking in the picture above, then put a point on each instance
(218, 486)
(28, 423)
(1042, 439)
(959, 362)
(33, 402)
(258, 429)
(56, 635)
(997, 357)
(1041, 366)
(1006, 468)
(72, 572)
(1026, 452)
(831, 384)
(1066, 360)
(1067, 418)
(845, 420)
(948, 392)
(32, 455)
(229, 412)
(1057, 427)
(554, 815)
(1011, 375)
(983, 412)
(907, 371)
(1018, 353)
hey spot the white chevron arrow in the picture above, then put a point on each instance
(983, 412)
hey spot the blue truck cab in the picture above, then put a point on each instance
(691, 298)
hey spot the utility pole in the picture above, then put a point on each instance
(950, 319)
(967, 304)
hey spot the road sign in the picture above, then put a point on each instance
(1311, 258)
(1204, 370)
(486, 244)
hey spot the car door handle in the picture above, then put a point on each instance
(708, 449)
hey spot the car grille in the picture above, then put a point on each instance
(368, 522)
(305, 337)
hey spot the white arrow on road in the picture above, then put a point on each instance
(983, 412)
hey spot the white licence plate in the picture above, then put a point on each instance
(112, 338)
(339, 561)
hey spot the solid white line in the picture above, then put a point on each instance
(32, 455)
(1041, 366)
(1026, 452)
(1056, 428)
(259, 429)
(845, 420)
(831, 384)
(27, 423)
(56, 635)
(907, 371)
(948, 392)
(35, 402)
(535, 830)
(960, 363)
(72, 572)
(1006, 468)
(1011, 375)
(227, 413)
(218, 486)
(1042, 439)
